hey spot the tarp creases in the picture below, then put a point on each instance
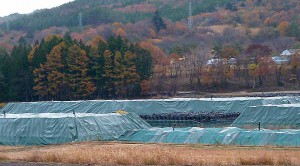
(222, 136)
(36, 129)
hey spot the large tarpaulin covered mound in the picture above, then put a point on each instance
(222, 136)
(146, 107)
(57, 128)
(53, 122)
(270, 116)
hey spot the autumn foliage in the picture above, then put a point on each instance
(130, 49)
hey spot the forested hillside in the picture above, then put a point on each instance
(228, 46)
(97, 12)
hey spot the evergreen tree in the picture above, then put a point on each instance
(3, 88)
(143, 61)
(97, 67)
(117, 43)
(20, 84)
(294, 30)
(108, 75)
(158, 22)
(96, 71)
(118, 74)
(38, 55)
(102, 46)
(4, 73)
(231, 7)
(67, 38)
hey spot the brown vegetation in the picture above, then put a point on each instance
(2, 105)
(152, 154)
(223, 33)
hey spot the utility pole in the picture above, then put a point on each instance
(190, 19)
(80, 20)
(7, 26)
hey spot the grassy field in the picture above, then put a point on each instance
(112, 153)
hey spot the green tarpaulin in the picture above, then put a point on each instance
(57, 128)
(277, 116)
(209, 136)
(38, 123)
(142, 107)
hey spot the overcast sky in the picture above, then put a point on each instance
(8, 7)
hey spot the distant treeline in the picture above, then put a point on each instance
(95, 12)
(61, 68)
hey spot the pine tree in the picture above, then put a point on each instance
(131, 77)
(41, 86)
(78, 78)
(3, 88)
(50, 78)
(97, 66)
(38, 54)
(143, 61)
(158, 22)
(108, 75)
(19, 73)
(119, 69)
(4, 73)
(102, 46)
(56, 76)
(117, 43)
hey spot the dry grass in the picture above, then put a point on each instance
(263, 160)
(284, 160)
(153, 154)
(266, 160)
(3, 157)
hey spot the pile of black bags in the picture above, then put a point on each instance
(194, 116)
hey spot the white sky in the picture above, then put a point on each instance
(8, 7)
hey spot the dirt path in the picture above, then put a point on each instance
(112, 153)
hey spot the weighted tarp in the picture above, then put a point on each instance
(209, 136)
(143, 107)
(277, 116)
(36, 123)
(57, 128)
